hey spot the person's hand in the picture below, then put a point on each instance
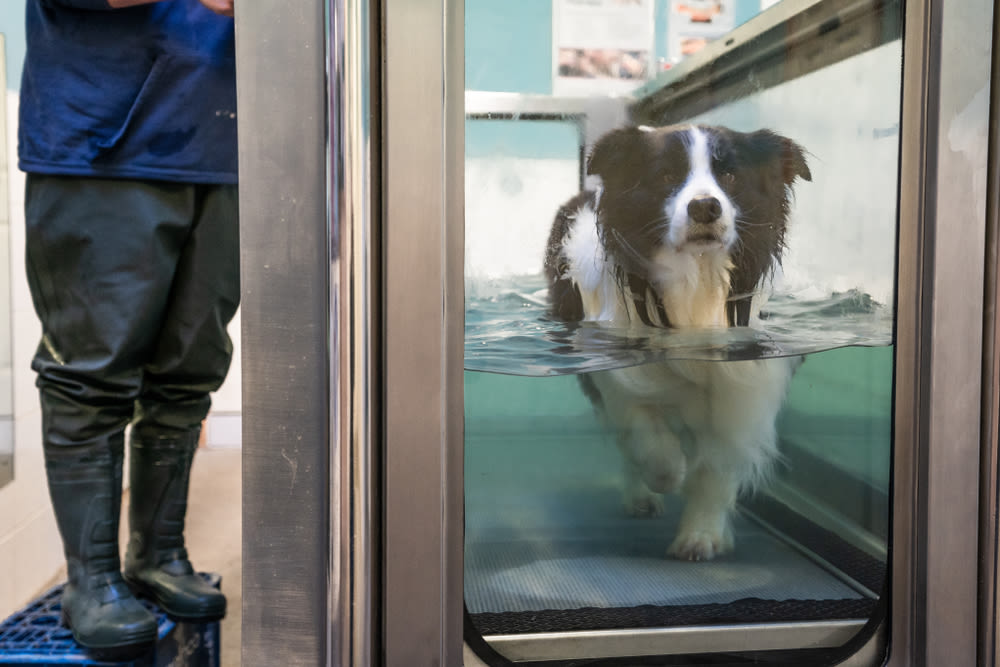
(224, 7)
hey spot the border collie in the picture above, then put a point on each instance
(685, 231)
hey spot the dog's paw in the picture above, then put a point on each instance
(700, 545)
(643, 503)
(664, 478)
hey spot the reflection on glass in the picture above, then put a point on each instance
(677, 407)
(6, 319)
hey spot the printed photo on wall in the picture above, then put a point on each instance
(601, 47)
(692, 24)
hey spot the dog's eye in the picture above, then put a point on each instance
(728, 178)
(673, 178)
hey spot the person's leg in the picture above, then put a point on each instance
(100, 259)
(191, 361)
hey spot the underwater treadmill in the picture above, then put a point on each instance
(554, 568)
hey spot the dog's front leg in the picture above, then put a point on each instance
(639, 499)
(654, 463)
(705, 531)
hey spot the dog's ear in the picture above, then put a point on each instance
(793, 162)
(618, 151)
(789, 154)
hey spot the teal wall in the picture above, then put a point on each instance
(508, 43)
(508, 48)
(543, 139)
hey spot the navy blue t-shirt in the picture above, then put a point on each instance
(147, 92)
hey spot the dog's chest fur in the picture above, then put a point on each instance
(693, 288)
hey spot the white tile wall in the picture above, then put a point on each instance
(224, 428)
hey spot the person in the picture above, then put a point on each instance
(128, 137)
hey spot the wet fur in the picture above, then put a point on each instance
(685, 232)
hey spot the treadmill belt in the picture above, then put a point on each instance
(549, 548)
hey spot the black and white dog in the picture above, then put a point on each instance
(685, 231)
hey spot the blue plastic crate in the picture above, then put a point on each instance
(34, 636)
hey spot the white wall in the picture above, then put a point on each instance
(225, 421)
(510, 203)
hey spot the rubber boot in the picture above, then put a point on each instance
(156, 563)
(85, 484)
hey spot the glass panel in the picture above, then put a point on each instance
(678, 382)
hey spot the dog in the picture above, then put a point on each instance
(685, 231)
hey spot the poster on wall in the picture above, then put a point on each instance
(692, 24)
(601, 47)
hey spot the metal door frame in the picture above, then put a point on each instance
(319, 426)
(989, 613)
(935, 545)
(285, 264)
(310, 129)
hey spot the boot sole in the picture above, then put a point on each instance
(141, 590)
(127, 650)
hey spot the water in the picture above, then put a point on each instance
(838, 409)
(520, 366)
(507, 331)
(545, 527)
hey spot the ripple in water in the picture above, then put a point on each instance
(507, 330)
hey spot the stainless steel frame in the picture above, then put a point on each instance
(989, 462)
(286, 332)
(310, 326)
(424, 248)
(674, 641)
(315, 349)
(356, 338)
(939, 334)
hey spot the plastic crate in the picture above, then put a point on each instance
(34, 636)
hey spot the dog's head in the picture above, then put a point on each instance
(696, 189)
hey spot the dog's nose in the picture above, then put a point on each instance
(704, 209)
